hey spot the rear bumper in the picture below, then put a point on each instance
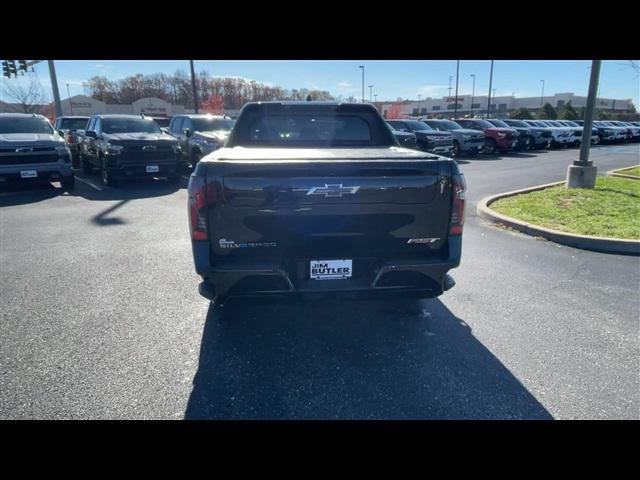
(417, 276)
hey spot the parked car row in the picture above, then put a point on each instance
(471, 136)
(130, 146)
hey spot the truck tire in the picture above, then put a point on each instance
(195, 158)
(108, 178)
(491, 147)
(68, 183)
(455, 152)
(85, 163)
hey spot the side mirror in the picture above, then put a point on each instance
(187, 132)
(61, 133)
(91, 134)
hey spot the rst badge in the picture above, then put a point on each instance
(333, 190)
(330, 269)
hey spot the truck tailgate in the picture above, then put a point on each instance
(336, 208)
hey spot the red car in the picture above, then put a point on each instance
(497, 139)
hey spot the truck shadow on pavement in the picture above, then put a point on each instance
(350, 360)
(21, 194)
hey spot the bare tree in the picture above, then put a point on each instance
(29, 98)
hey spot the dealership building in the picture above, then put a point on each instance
(84, 105)
(500, 105)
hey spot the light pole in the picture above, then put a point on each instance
(473, 91)
(494, 97)
(582, 173)
(375, 97)
(54, 87)
(455, 105)
(490, 82)
(193, 86)
(69, 96)
(450, 78)
(362, 67)
(370, 93)
(542, 94)
(419, 95)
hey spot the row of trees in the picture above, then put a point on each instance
(569, 112)
(231, 92)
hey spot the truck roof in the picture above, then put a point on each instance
(23, 115)
(312, 104)
(121, 115)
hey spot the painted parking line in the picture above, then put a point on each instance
(91, 184)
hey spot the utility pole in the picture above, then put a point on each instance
(362, 67)
(490, 81)
(54, 87)
(193, 86)
(542, 95)
(473, 91)
(69, 96)
(455, 106)
(582, 174)
(450, 78)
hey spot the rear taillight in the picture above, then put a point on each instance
(457, 207)
(202, 195)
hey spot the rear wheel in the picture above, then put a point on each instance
(84, 163)
(491, 146)
(455, 152)
(108, 178)
(195, 158)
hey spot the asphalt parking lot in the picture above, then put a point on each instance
(101, 318)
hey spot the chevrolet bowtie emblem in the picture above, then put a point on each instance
(24, 150)
(333, 190)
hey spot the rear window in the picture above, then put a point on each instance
(291, 128)
(25, 125)
(73, 123)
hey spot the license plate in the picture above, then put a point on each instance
(330, 269)
(152, 169)
(28, 173)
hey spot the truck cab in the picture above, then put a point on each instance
(200, 134)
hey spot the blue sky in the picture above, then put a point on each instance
(391, 79)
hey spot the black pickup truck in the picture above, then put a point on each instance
(128, 146)
(319, 198)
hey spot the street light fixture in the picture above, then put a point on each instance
(473, 91)
(69, 94)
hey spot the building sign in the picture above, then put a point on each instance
(80, 104)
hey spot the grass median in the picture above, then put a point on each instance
(612, 209)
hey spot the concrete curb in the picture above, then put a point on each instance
(618, 173)
(598, 244)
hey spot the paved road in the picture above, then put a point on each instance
(100, 318)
